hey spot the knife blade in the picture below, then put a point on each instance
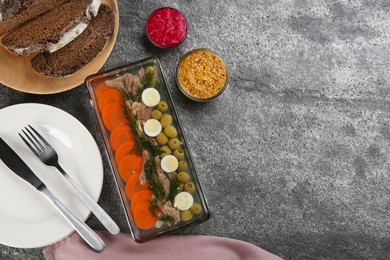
(12, 160)
(17, 165)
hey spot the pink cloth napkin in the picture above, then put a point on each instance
(122, 246)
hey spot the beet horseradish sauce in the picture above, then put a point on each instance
(166, 27)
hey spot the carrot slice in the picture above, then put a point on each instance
(134, 185)
(124, 149)
(141, 196)
(144, 219)
(110, 96)
(119, 135)
(100, 89)
(129, 165)
(113, 116)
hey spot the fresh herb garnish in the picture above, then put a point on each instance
(174, 184)
(155, 184)
(149, 80)
(164, 217)
(167, 219)
(134, 128)
(142, 143)
(147, 145)
(153, 207)
(127, 95)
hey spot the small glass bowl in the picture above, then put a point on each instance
(209, 70)
(178, 25)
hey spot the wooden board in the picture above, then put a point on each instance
(16, 72)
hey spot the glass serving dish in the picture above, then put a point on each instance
(148, 193)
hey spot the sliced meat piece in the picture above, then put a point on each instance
(142, 176)
(161, 175)
(168, 209)
(132, 83)
(117, 83)
(144, 112)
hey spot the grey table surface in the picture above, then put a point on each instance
(294, 156)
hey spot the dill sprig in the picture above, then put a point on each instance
(149, 80)
(142, 143)
(127, 95)
(174, 184)
(147, 145)
(132, 119)
(139, 93)
(166, 219)
(153, 207)
(155, 184)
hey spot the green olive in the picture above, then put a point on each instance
(156, 114)
(165, 120)
(186, 215)
(179, 154)
(174, 143)
(183, 166)
(189, 187)
(183, 176)
(162, 106)
(166, 151)
(162, 139)
(170, 131)
(149, 69)
(196, 208)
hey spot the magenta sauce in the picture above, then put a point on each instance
(166, 27)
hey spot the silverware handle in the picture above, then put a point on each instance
(85, 232)
(100, 214)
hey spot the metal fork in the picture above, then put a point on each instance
(46, 153)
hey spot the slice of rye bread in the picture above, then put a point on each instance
(81, 50)
(53, 29)
(14, 13)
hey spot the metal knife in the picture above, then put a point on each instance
(20, 168)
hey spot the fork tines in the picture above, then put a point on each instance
(35, 142)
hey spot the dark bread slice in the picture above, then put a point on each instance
(81, 50)
(14, 13)
(52, 30)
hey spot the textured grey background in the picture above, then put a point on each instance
(294, 156)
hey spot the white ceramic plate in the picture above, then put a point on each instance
(27, 219)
